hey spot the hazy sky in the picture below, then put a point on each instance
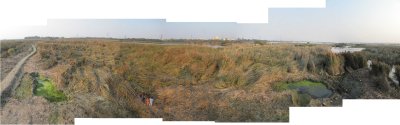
(340, 21)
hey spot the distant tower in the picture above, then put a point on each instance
(161, 37)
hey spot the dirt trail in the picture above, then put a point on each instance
(7, 82)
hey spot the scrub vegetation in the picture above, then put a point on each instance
(195, 80)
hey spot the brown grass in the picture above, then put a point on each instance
(191, 81)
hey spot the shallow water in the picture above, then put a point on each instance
(345, 49)
(315, 90)
(215, 46)
(392, 76)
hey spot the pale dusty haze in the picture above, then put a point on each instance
(340, 21)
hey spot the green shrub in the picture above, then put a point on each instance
(259, 42)
(44, 87)
(220, 85)
(11, 51)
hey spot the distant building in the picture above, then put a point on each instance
(38, 37)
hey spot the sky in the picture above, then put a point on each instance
(340, 21)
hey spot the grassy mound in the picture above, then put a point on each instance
(24, 90)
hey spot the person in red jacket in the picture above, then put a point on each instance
(147, 101)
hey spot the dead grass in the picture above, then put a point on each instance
(190, 82)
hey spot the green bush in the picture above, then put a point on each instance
(44, 87)
(259, 42)
(220, 85)
(11, 51)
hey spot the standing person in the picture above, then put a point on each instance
(151, 100)
(147, 101)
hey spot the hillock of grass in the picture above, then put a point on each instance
(24, 90)
(44, 87)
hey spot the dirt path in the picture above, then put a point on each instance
(7, 82)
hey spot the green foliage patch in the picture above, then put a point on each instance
(44, 87)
